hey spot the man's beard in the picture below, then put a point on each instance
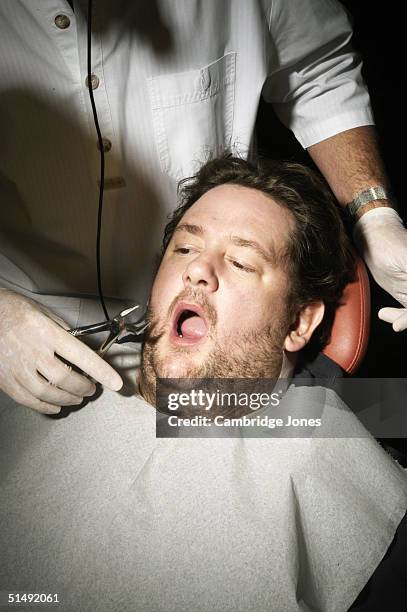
(257, 354)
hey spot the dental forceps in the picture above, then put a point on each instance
(115, 327)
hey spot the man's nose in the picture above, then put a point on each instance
(201, 273)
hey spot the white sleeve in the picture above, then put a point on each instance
(315, 81)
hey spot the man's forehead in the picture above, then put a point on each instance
(243, 211)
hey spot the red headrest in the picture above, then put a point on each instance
(350, 331)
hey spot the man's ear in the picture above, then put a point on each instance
(301, 330)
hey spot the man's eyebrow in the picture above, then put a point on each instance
(197, 230)
(270, 256)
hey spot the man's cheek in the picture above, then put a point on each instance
(235, 310)
(160, 302)
(159, 290)
(168, 281)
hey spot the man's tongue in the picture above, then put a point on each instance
(193, 327)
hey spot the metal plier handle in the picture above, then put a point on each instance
(116, 327)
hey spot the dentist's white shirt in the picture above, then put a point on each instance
(174, 81)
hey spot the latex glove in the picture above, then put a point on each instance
(31, 339)
(396, 316)
(382, 241)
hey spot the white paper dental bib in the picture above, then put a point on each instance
(95, 508)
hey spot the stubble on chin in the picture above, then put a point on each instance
(252, 355)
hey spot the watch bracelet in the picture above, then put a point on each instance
(367, 196)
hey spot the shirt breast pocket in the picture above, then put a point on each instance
(193, 115)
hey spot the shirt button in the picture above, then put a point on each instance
(205, 80)
(107, 145)
(62, 22)
(94, 81)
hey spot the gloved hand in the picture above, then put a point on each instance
(396, 316)
(31, 339)
(382, 242)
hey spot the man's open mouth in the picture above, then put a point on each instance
(189, 325)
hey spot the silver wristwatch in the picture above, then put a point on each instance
(366, 197)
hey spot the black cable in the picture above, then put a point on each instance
(102, 162)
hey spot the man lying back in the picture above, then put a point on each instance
(255, 261)
(98, 510)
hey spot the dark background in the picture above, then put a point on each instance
(378, 38)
